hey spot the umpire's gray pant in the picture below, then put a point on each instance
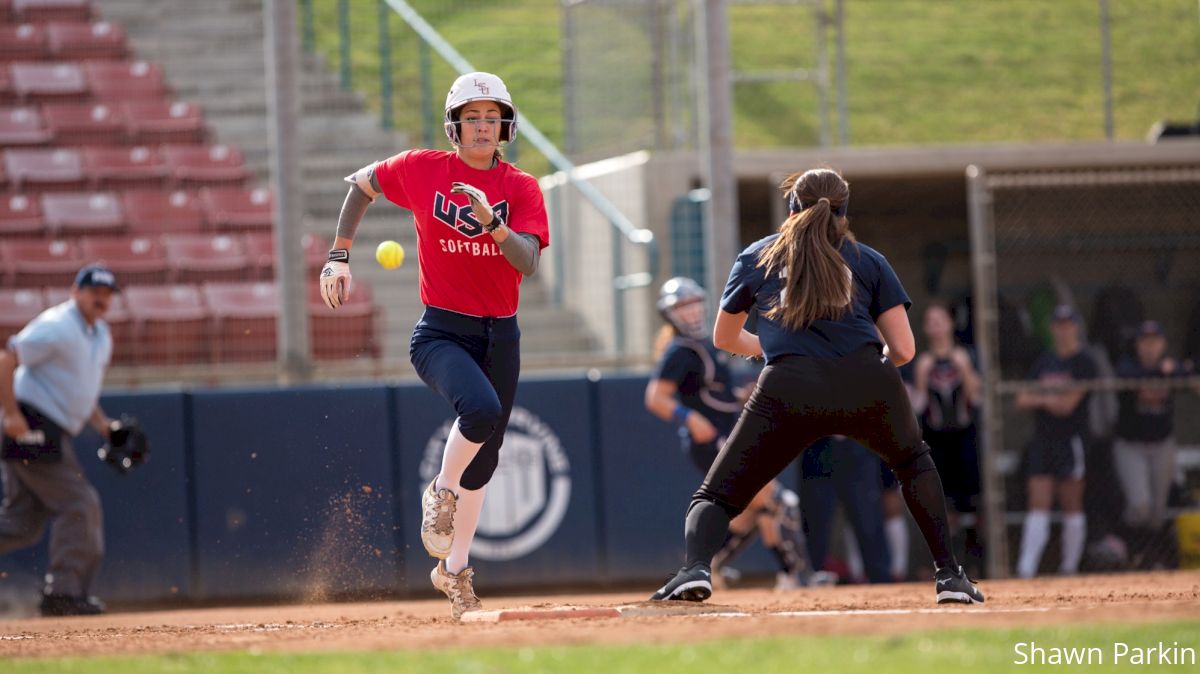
(35, 492)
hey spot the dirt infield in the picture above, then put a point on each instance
(888, 609)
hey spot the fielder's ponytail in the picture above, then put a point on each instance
(816, 281)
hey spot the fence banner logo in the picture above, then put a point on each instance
(527, 497)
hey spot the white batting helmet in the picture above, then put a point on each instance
(480, 87)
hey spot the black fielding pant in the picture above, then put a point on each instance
(799, 400)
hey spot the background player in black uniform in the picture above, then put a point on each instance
(945, 395)
(823, 301)
(694, 388)
(1054, 458)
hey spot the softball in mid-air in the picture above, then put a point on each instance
(390, 254)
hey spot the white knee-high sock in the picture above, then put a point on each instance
(896, 530)
(457, 456)
(1074, 534)
(466, 520)
(1034, 535)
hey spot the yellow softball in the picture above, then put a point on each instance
(390, 254)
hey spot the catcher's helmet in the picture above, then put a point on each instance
(676, 293)
(480, 87)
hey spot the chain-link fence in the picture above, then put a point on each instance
(1088, 332)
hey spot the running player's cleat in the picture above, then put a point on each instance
(691, 583)
(458, 587)
(437, 520)
(953, 587)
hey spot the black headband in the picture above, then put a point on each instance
(796, 206)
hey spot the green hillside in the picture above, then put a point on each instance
(918, 71)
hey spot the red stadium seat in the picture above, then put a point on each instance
(20, 215)
(52, 10)
(49, 169)
(120, 322)
(345, 332)
(140, 260)
(200, 165)
(6, 11)
(109, 167)
(8, 94)
(37, 263)
(72, 213)
(85, 123)
(48, 82)
(159, 212)
(172, 323)
(22, 126)
(206, 257)
(17, 308)
(23, 42)
(243, 320)
(79, 41)
(233, 208)
(260, 251)
(125, 80)
(162, 122)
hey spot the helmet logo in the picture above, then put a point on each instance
(482, 87)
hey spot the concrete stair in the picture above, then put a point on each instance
(212, 54)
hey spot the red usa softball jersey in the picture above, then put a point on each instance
(461, 267)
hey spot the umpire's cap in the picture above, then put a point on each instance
(96, 276)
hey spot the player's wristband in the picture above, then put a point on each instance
(496, 223)
(339, 255)
(680, 415)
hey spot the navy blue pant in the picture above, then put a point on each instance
(473, 363)
(841, 470)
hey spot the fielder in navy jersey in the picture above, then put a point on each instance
(833, 326)
(481, 225)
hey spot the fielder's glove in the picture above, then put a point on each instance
(335, 278)
(127, 445)
(479, 204)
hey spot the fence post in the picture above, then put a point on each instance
(427, 116)
(983, 269)
(843, 113)
(385, 64)
(343, 10)
(1106, 67)
(283, 106)
(618, 295)
(306, 22)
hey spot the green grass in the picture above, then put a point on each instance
(919, 71)
(946, 651)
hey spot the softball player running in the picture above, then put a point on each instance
(481, 225)
(823, 300)
(692, 387)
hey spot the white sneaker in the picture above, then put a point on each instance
(458, 587)
(437, 520)
(786, 581)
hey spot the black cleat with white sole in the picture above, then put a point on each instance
(691, 583)
(953, 587)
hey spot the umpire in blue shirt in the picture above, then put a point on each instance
(50, 378)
